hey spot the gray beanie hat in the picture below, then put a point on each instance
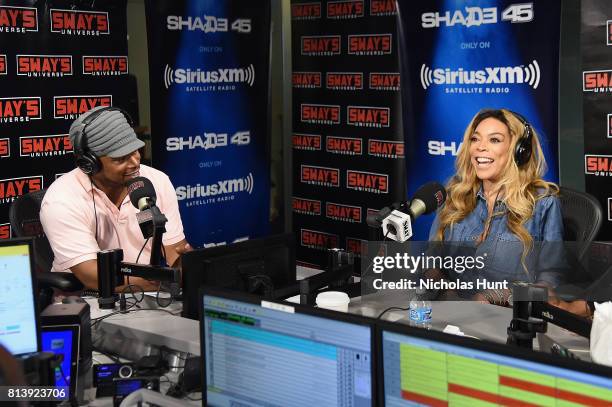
(108, 135)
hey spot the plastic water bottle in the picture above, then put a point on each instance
(420, 313)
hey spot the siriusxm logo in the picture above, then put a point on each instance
(198, 76)
(229, 186)
(493, 75)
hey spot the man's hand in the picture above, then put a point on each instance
(175, 251)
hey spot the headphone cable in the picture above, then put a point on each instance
(93, 197)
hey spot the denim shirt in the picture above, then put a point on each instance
(503, 249)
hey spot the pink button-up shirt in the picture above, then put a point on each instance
(69, 219)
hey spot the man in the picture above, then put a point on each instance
(88, 209)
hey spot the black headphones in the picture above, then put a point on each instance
(522, 151)
(84, 158)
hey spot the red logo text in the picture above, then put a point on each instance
(345, 9)
(344, 145)
(322, 176)
(369, 44)
(386, 149)
(12, 188)
(306, 206)
(105, 66)
(70, 107)
(318, 240)
(320, 114)
(2, 64)
(306, 11)
(382, 7)
(5, 147)
(367, 181)
(597, 81)
(5, 231)
(367, 116)
(345, 213)
(344, 80)
(45, 146)
(46, 66)
(77, 22)
(306, 80)
(598, 165)
(19, 109)
(321, 45)
(310, 142)
(18, 19)
(384, 81)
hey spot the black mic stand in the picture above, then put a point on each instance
(523, 327)
(337, 275)
(153, 224)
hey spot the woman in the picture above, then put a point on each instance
(498, 204)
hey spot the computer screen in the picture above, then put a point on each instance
(255, 266)
(266, 354)
(63, 340)
(441, 370)
(18, 317)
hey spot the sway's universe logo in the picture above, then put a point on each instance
(321, 45)
(321, 176)
(382, 8)
(310, 142)
(2, 64)
(18, 19)
(13, 188)
(598, 165)
(208, 24)
(475, 16)
(342, 212)
(230, 76)
(219, 191)
(368, 116)
(79, 22)
(343, 9)
(369, 44)
(353, 245)
(306, 80)
(320, 114)
(5, 147)
(46, 66)
(384, 81)
(45, 146)
(306, 206)
(491, 75)
(386, 149)
(597, 81)
(344, 145)
(70, 107)
(315, 239)
(19, 109)
(105, 65)
(306, 11)
(5, 230)
(344, 80)
(367, 181)
(208, 141)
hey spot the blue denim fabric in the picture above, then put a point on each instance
(546, 263)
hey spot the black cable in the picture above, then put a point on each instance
(97, 320)
(140, 252)
(391, 308)
(189, 398)
(159, 304)
(93, 197)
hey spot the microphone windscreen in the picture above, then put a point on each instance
(432, 194)
(140, 187)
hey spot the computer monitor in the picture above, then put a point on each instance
(421, 367)
(63, 340)
(19, 329)
(255, 266)
(256, 352)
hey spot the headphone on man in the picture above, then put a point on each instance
(85, 159)
(522, 151)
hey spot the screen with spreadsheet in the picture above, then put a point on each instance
(258, 356)
(18, 321)
(419, 371)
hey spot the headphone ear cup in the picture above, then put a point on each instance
(88, 163)
(522, 153)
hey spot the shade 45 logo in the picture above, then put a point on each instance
(344, 80)
(13, 188)
(369, 44)
(105, 65)
(306, 206)
(382, 8)
(306, 80)
(320, 114)
(367, 181)
(597, 81)
(44, 66)
(368, 116)
(344, 213)
(310, 142)
(345, 9)
(320, 45)
(306, 11)
(2, 64)
(5, 147)
(208, 141)
(45, 146)
(5, 230)
(476, 16)
(322, 176)
(19, 109)
(384, 81)
(315, 239)
(79, 22)
(70, 107)
(18, 19)
(386, 149)
(598, 165)
(344, 145)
